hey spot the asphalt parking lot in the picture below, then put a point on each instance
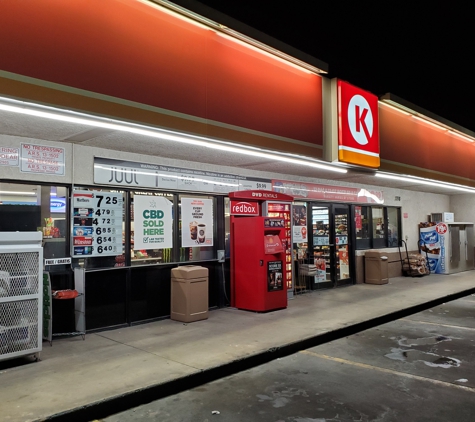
(419, 368)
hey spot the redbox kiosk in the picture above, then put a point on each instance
(259, 248)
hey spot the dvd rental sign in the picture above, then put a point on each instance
(244, 208)
(358, 126)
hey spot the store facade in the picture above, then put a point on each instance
(105, 158)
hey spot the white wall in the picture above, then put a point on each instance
(7, 172)
(79, 170)
(463, 207)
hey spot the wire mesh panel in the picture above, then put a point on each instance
(19, 274)
(21, 303)
(18, 326)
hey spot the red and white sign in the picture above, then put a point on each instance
(272, 244)
(83, 199)
(358, 126)
(42, 159)
(260, 195)
(327, 192)
(244, 208)
(82, 241)
(9, 156)
(441, 228)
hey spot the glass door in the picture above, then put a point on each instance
(341, 217)
(330, 245)
(322, 245)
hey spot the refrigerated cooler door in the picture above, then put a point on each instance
(454, 261)
(469, 245)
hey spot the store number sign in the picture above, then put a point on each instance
(97, 223)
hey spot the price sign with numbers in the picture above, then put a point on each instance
(97, 223)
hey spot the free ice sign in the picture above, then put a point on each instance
(358, 129)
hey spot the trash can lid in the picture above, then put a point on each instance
(375, 255)
(189, 271)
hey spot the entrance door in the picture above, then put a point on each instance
(330, 246)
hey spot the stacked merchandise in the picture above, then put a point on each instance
(308, 269)
(415, 265)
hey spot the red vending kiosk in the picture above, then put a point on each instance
(259, 246)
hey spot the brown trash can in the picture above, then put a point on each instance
(189, 293)
(376, 268)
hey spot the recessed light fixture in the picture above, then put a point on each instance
(69, 116)
(423, 181)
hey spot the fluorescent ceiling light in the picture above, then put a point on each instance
(423, 181)
(438, 126)
(208, 24)
(264, 52)
(459, 135)
(6, 192)
(52, 113)
(395, 108)
(176, 14)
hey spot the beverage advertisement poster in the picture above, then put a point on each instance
(299, 223)
(196, 222)
(152, 222)
(321, 269)
(344, 264)
(274, 276)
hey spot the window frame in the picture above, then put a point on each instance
(378, 243)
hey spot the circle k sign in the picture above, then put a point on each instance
(358, 129)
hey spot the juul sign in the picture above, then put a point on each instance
(244, 208)
(358, 132)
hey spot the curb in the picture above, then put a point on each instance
(123, 402)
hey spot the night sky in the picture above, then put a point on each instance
(422, 54)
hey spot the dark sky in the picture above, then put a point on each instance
(424, 53)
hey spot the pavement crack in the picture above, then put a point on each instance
(150, 353)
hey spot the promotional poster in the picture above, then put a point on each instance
(152, 222)
(299, 223)
(197, 222)
(274, 276)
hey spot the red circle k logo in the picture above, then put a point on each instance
(358, 129)
(360, 119)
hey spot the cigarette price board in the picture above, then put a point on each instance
(97, 223)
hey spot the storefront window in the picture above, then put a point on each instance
(151, 228)
(363, 234)
(377, 227)
(98, 228)
(227, 227)
(197, 228)
(393, 226)
(299, 233)
(27, 207)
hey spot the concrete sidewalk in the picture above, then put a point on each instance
(112, 370)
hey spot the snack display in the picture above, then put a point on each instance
(415, 265)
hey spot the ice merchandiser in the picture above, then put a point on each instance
(259, 263)
(449, 246)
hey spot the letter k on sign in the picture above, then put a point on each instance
(358, 133)
(360, 119)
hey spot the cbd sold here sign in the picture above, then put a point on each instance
(153, 222)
